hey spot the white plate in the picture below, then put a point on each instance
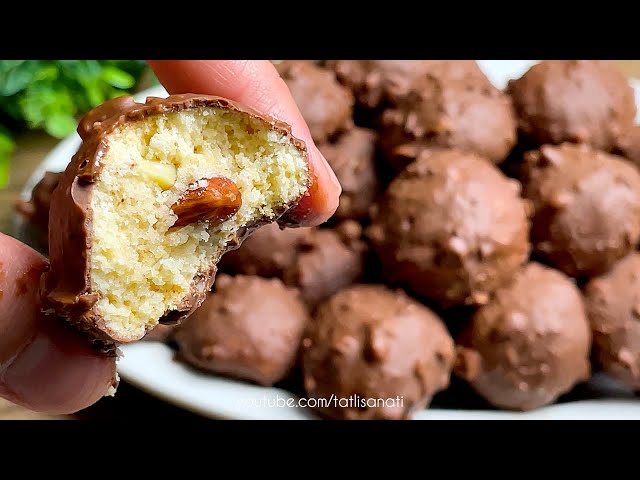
(151, 366)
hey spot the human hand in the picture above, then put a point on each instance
(44, 364)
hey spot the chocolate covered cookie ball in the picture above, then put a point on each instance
(162, 333)
(36, 210)
(613, 307)
(586, 207)
(446, 113)
(583, 101)
(628, 145)
(530, 343)
(268, 252)
(377, 82)
(250, 328)
(352, 158)
(326, 105)
(328, 260)
(317, 261)
(381, 354)
(451, 227)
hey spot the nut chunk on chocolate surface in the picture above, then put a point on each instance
(250, 328)
(156, 194)
(586, 207)
(530, 343)
(378, 349)
(35, 211)
(613, 307)
(451, 227)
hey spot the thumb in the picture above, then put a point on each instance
(44, 364)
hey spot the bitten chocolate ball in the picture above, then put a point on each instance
(628, 145)
(583, 101)
(326, 105)
(445, 113)
(451, 227)
(352, 158)
(586, 207)
(250, 328)
(530, 343)
(376, 82)
(380, 349)
(156, 193)
(613, 307)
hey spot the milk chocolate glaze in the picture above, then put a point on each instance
(530, 343)
(613, 307)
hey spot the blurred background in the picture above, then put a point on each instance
(40, 103)
(48, 96)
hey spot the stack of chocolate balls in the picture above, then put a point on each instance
(483, 234)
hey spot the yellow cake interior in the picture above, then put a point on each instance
(140, 266)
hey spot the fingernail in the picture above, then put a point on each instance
(330, 173)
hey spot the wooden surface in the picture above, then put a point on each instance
(129, 402)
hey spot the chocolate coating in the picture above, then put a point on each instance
(66, 286)
(317, 261)
(613, 307)
(250, 328)
(628, 145)
(583, 101)
(326, 106)
(377, 82)
(530, 343)
(160, 333)
(451, 227)
(446, 113)
(328, 260)
(352, 158)
(371, 343)
(36, 210)
(586, 207)
(267, 252)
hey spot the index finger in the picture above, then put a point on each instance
(257, 84)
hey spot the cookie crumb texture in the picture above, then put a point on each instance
(144, 261)
(140, 264)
